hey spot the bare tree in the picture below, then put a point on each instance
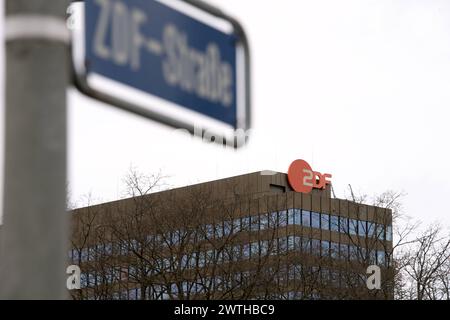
(426, 259)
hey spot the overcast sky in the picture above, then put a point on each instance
(359, 89)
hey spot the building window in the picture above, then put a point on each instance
(264, 246)
(291, 243)
(298, 216)
(334, 278)
(370, 228)
(254, 249)
(108, 249)
(273, 247)
(235, 253)
(255, 223)
(379, 232)
(325, 248)
(325, 221)
(282, 245)
(227, 228)
(343, 251)
(245, 223)
(218, 230)
(362, 228)
(334, 223)
(291, 217)
(315, 247)
(297, 243)
(373, 256)
(209, 232)
(343, 225)
(219, 256)
(193, 260)
(282, 218)
(84, 280)
(353, 252)
(246, 251)
(334, 250)
(273, 219)
(306, 218)
(389, 233)
(353, 227)
(184, 261)
(315, 220)
(84, 255)
(381, 258)
(264, 221)
(306, 245)
(201, 259)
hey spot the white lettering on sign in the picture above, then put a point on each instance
(195, 72)
(125, 49)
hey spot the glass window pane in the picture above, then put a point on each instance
(353, 252)
(282, 244)
(298, 216)
(227, 228)
(282, 218)
(325, 248)
(334, 223)
(370, 229)
(254, 223)
(362, 228)
(343, 224)
(246, 250)
(237, 252)
(325, 221)
(245, 223)
(255, 249)
(306, 218)
(291, 217)
(291, 245)
(273, 219)
(343, 251)
(334, 250)
(389, 233)
(209, 231)
(381, 258)
(380, 232)
(373, 256)
(315, 220)
(353, 226)
(219, 230)
(297, 243)
(315, 246)
(264, 221)
(306, 245)
(264, 245)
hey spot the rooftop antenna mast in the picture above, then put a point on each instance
(332, 191)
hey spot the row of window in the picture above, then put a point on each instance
(240, 252)
(283, 277)
(300, 217)
(263, 248)
(283, 218)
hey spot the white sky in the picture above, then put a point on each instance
(359, 89)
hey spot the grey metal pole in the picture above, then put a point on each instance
(34, 232)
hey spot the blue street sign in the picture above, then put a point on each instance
(175, 61)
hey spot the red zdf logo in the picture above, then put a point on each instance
(303, 179)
